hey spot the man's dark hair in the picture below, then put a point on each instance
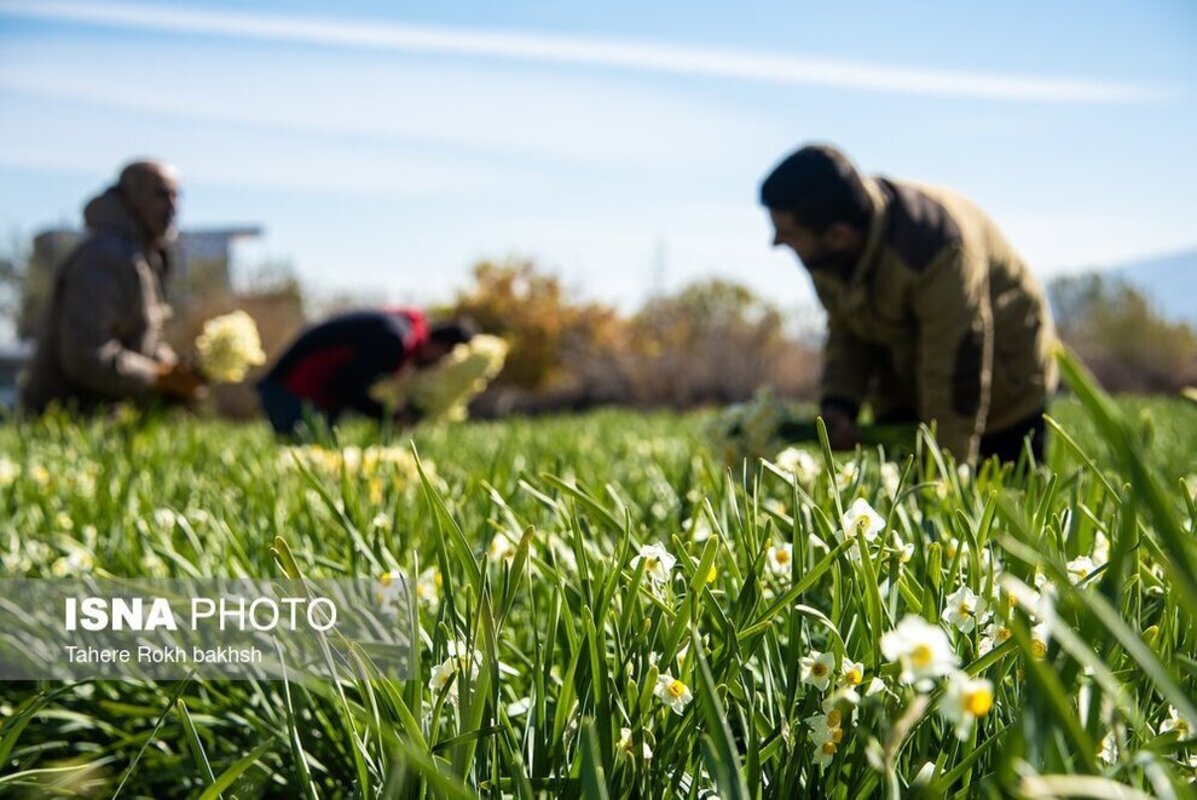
(819, 186)
(453, 332)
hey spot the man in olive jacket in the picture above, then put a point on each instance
(931, 314)
(101, 334)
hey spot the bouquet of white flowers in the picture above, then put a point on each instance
(228, 347)
(443, 392)
(749, 429)
(765, 425)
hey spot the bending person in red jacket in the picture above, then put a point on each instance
(332, 366)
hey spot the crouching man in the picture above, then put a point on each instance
(931, 314)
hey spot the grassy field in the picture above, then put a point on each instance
(988, 634)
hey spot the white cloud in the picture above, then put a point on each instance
(554, 49)
(542, 117)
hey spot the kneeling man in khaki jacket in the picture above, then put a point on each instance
(931, 314)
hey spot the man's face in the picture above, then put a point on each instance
(430, 354)
(155, 199)
(835, 249)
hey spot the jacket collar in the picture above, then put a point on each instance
(868, 259)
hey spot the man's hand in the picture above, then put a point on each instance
(841, 429)
(179, 381)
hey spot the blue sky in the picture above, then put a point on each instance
(385, 147)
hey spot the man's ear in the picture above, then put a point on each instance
(840, 235)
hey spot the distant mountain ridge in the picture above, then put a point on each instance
(1168, 281)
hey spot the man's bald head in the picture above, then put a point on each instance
(151, 189)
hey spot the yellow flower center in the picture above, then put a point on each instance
(854, 678)
(818, 669)
(978, 702)
(964, 610)
(1038, 648)
(833, 718)
(837, 735)
(862, 524)
(922, 656)
(828, 748)
(650, 562)
(386, 579)
(676, 689)
(782, 556)
(1003, 633)
(712, 574)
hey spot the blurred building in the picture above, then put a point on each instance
(12, 361)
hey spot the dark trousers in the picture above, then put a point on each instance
(287, 410)
(1006, 444)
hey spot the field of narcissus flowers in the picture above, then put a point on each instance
(605, 608)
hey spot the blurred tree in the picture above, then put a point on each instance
(714, 341)
(1125, 341)
(542, 325)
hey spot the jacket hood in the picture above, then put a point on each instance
(108, 212)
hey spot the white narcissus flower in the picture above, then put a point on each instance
(851, 672)
(625, 746)
(905, 549)
(826, 727)
(673, 693)
(861, 520)
(799, 463)
(995, 634)
(8, 471)
(462, 664)
(501, 548)
(657, 562)
(428, 587)
(891, 477)
(963, 608)
(1080, 568)
(953, 547)
(1101, 549)
(847, 475)
(519, 707)
(390, 589)
(1175, 723)
(965, 701)
(228, 346)
(817, 669)
(77, 562)
(701, 528)
(1107, 751)
(876, 686)
(824, 753)
(441, 675)
(781, 558)
(842, 696)
(1041, 637)
(922, 649)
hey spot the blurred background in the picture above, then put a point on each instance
(582, 178)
